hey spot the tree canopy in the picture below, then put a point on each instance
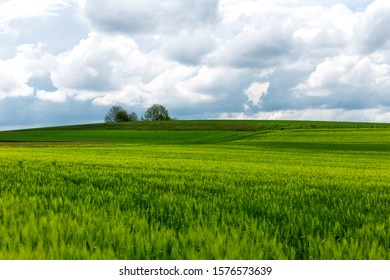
(118, 114)
(157, 112)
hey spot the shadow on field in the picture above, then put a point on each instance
(353, 147)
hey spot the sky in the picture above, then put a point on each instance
(68, 61)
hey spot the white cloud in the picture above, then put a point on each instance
(57, 96)
(201, 58)
(381, 114)
(345, 74)
(139, 16)
(15, 9)
(256, 92)
(13, 86)
(371, 30)
(103, 63)
(189, 47)
(29, 62)
(255, 47)
(112, 69)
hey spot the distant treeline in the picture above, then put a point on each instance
(155, 112)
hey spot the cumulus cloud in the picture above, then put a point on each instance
(54, 96)
(255, 48)
(112, 69)
(14, 9)
(139, 16)
(93, 64)
(381, 114)
(29, 62)
(345, 74)
(204, 59)
(256, 92)
(188, 47)
(371, 30)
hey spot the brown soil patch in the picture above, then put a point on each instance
(51, 143)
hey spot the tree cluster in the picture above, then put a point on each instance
(156, 112)
(118, 114)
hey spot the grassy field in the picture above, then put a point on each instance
(196, 190)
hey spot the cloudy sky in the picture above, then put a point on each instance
(68, 61)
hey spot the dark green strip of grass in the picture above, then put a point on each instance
(123, 136)
(181, 132)
(230, 125)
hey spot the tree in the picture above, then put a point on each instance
(157, 112)
(111, 115)
(122, 116)
(118, 114)
(133, 117)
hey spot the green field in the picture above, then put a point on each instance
(196, 190)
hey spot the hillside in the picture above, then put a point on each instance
(233, 125)
(176, 132)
